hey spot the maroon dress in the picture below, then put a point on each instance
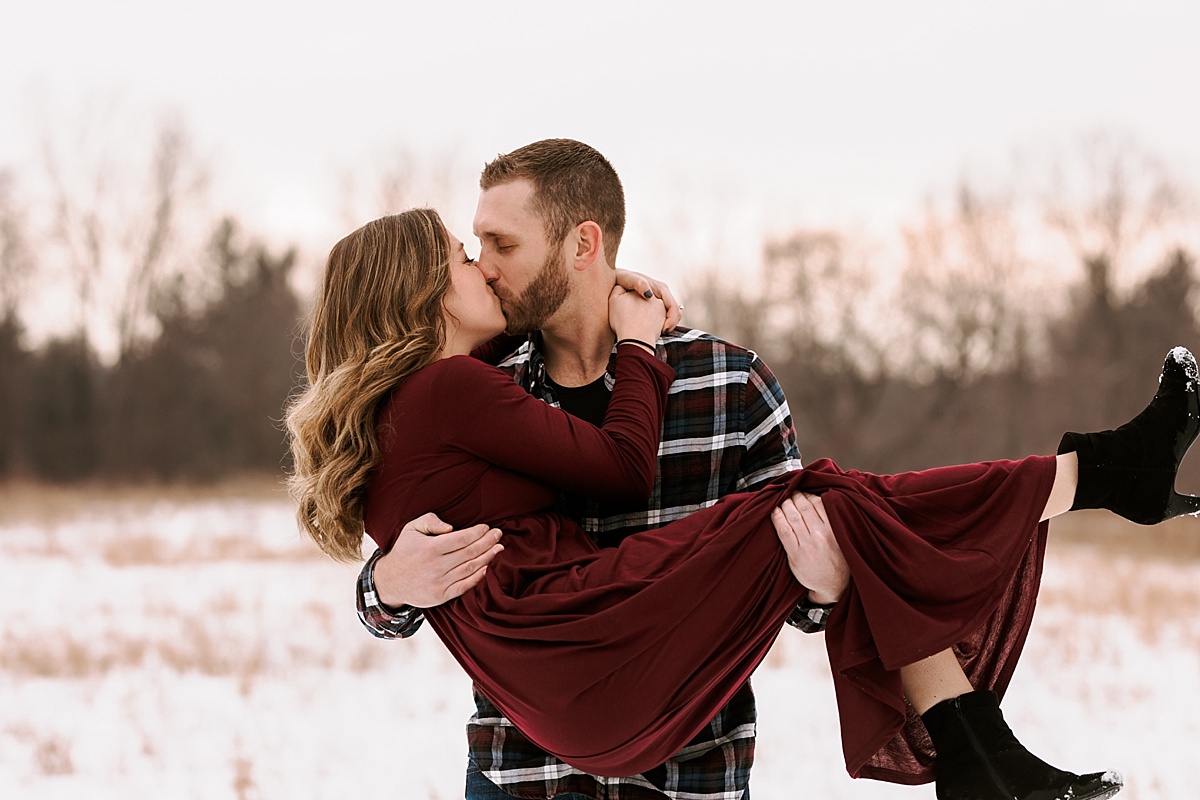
(613, 659)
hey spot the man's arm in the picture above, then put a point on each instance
(429, 564)
(770, 436)
(381, 621)
(771, 451)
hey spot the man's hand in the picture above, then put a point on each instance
(431, 563)
(637, 282)
(812, 551)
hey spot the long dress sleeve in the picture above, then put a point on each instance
(496, 350)
(499, 422)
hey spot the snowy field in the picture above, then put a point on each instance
(197, 648)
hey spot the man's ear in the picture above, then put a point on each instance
(589, 243)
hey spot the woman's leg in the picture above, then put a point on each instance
(931, 680)
(978, 758)
(1066, 480)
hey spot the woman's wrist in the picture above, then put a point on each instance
(642, 343)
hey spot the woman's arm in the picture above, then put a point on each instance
(480, 410)
(496, 350)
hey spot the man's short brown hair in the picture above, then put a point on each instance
(572, 183)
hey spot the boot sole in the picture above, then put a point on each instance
(1181, 504)
(1182, 358)
(1101, 792)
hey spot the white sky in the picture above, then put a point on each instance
(724, 124)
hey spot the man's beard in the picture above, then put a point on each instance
(542, 297)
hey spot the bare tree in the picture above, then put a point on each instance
(174, 181)
(115, 233)
(824, 297)
(401, 178)
(16, 255)
(77, 227)
(968, 311)
(1123, 217)
(814, 314)
(1114, 203)
(965, 291)
(984, 349)
(203, 398)
(16, 267)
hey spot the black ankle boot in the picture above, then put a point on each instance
(978, 758)
(1131, 470)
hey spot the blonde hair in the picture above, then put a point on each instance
(377, 319)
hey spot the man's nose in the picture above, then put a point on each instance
(484, 265)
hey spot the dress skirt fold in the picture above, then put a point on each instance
(613, 659)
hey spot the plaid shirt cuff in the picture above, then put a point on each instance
(383, 622)
(810, 617)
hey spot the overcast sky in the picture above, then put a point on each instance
(724, 124)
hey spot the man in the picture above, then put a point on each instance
(549, 221)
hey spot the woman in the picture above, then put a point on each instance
(400, 419)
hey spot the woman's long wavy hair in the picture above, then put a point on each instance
(377, 320)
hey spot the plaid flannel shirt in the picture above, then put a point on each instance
(727, 429)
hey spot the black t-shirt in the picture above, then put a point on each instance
(588, 402)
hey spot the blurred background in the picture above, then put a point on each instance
(952, 229)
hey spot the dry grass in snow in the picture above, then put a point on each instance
(191, 645)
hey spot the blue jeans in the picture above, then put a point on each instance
(480, 788)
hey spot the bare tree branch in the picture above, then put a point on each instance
(117, 237)
(1109, 197)
(17, 263)
(174, 181)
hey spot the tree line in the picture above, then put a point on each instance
(968, 345)
(198, 401)
(976, 349)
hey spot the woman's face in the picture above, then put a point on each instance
(472, 309)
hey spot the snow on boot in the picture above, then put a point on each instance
(978, 758)
(1131, 470)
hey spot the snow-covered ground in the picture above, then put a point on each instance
(202, 650)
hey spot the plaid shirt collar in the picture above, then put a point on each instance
(528, 367)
